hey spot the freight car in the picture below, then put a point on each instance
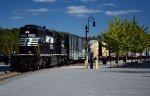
(75, 48)
(41, 48)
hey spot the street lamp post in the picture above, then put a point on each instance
(86, 45)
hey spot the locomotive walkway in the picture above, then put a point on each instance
(77, 81)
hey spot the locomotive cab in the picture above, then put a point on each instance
(31, 37)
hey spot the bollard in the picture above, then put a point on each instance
(97, 64)
(91, 64)
(91, 60)
(86, 63)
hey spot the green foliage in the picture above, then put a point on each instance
(126, 36)
(65, 33)
(100, 37)
(91, 38)
(62, 32)
(140, 37)
(9, 40)
(113, 36)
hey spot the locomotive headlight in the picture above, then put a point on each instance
(27, 32)
(14, 52)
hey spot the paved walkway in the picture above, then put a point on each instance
(77, 81)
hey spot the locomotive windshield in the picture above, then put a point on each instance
(28, 32)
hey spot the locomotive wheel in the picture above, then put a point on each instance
(43, 64)
(39, 63)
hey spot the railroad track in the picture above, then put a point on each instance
(8, 75)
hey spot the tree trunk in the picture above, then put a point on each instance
(110, 59)
(117, 59)
(140, 57)
(136, 61)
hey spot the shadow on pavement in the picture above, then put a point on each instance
(133, 71)
(144, 64)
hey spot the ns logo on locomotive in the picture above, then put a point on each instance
(41, 48)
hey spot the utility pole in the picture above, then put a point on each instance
(86, 42)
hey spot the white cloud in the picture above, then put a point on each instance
(39, 10)
(109, 4)
(88, 0)
(17, 17)
(121, 12)
(80, 11)
(32, 11)
(43, 1)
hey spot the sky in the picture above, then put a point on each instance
(72, 15)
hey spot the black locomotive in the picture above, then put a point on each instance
(41, 48)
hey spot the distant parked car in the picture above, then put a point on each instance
(4, 58)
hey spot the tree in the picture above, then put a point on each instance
(139, 38)
(100, 37)
(1, 39)
(112, 37)
(126, 36)
(9, 40)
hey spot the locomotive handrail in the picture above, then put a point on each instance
(23, 54)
